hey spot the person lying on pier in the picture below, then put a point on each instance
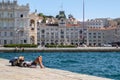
(21, 63)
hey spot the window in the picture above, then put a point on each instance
(62, 32)
(99, 33)
(47, 33)
(51, 29)
(52, 33)
(99, 40)
(67, 37)
(11, 15)
(43, 36)
(21, 41)
(11, 33)
(89, 36)
(56, 37)
(5, 41)
(62, 36)
(52, 37)
(43, 31)
(38, 28)
(99, 44)
(32, 28)
(99, 36)
(11, 41)
(94, 40)
(90, 40)
(21, 33)
(5, 34)
(94, 36)
(21, 15)
(85, 34)
(56, 29)
(94, 33)
(71, 29)
(89, 33)
(80, 31)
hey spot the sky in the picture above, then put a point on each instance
(93, 8)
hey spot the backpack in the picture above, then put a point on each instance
(17, 61)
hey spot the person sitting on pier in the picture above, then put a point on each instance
(34, 63)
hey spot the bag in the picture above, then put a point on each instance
(17, 61)
(14, 61)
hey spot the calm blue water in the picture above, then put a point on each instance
(103, 64)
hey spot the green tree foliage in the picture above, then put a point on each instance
(57, 16)
(20, 45)
(49, 16)
(41, 14)
(44, 17)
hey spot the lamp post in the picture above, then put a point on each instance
(85, 29)
(83, 24)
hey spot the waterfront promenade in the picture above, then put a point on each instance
(18, 73)
(78, 49)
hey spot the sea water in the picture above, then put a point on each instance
(102, 64)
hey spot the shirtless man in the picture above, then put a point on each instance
(38, 60)
(21, 63)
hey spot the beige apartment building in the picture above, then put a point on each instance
(65, 31)
(101, 36)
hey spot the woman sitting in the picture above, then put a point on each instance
(34, 63)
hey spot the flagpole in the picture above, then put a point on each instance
(85, 29)
(83, 13)
(83, 22)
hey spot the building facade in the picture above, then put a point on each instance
(14, 23)
(64, 32)
(19, 26)
(62, 35)
(101, 36)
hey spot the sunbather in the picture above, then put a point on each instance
(20, 62)
(38, 60)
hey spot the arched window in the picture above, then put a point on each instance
(32, 24)
(21, 15)
(32, 39)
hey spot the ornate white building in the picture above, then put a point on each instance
(16, 24)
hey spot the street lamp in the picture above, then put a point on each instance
(83, 24)
(85, 29)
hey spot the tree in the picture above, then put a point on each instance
(41, 14)
(49, 16)
(57, 16)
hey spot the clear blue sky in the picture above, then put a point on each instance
(93, 8)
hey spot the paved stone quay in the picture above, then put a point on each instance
(8, 72)
(78, 49)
